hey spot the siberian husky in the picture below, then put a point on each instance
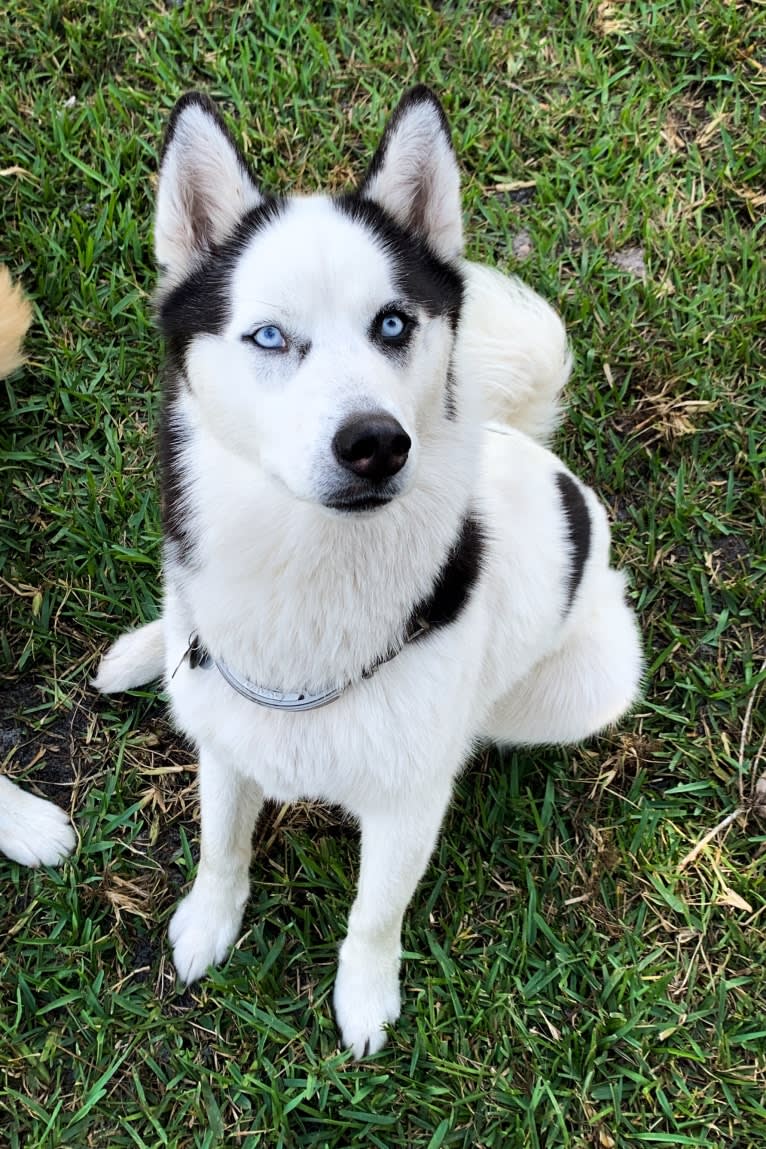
(33, 831)
(363, 582)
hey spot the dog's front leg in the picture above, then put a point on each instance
(207, 921)
(396, 846)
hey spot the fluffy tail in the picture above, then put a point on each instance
(515, 342)
(15, 317)
(134, 659)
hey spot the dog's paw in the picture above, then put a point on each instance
(202, 931)
(33, 831)
(136, 658)
(366, 998)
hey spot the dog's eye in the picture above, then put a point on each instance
(392, 326)
(269, 337)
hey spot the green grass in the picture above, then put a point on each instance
(567, 982)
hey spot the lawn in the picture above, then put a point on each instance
(573, 977)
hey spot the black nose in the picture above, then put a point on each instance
(373, 446)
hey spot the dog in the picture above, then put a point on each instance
(33, 831)
(368, 571)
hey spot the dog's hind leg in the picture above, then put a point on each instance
(584, 686)
(208, 919)
(134, 659)
(396, 846)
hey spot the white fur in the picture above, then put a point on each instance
(135, 658)
(515, 345)
(295, 596)
(33, 831)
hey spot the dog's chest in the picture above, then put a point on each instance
(384, 736)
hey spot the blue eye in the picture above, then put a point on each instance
(392, 326)
(270, 338)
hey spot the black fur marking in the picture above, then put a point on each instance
(421, 277)
(578, 526)
(199, 305)
(454, 582)
(450, 402)
(198, 655)
(170, 444)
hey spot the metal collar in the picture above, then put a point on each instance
(292, 701)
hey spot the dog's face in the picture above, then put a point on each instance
(315, 334)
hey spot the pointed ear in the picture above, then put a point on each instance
(205, 186)
(414, 175)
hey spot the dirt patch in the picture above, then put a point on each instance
(40, 743)
(731, 553)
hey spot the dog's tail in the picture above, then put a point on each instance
(515, 342)
(15, 317)
(133, 660)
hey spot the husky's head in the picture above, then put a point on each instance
(314, 335)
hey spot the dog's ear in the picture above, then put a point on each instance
(414, 175)
(205, 186)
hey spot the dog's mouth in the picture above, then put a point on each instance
(356, 497)
(353, 504)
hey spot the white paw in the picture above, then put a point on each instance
(133, 660)
(33, 831)
(202, 930)
(366, 998)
